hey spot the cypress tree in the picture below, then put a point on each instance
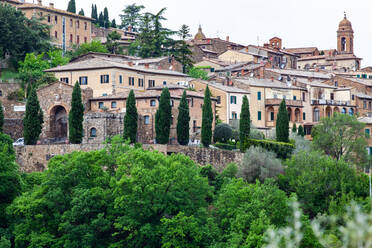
(113, 23)
(207, 119)
(301, 131)
(245, 121)
(282, 123)
(94, 14)
(294, 128)
(71, 6)
(1, 118)
(101, 20)
(163, 118)
(106, 18)
(33, 120)
(130, 119)
(81, 12)
(76, 116)
(183, 121)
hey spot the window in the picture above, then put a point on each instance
(271, 116)
(93, 132)
(303, 116)
(85, 25)
(101, 105)
(234, 115)
(83, 80)
(49, 18)
(113, 104)
(259, 115)
(336, 84)
(259, 96)
(284, 97)
(192, 102)
(332, 96)
(152, 103)
(65, 80)
(1, 93)
(120, 79)
(105, 79)
(77, 24)
(140, 82)
(194, 127)
(55, 19)
(316, 115)
(77, 39)
(351, 111)
(364, 104)
(303, 96)
(275, 96)
(164, 82)
(147, 120)
(104, 94)
(131, 81)
(71, 23)
(294, 98)
(343, 111)
(71, 38)
(85, 40)
(151, 83)
(233, 99)
(367, 131)
(218, 99)
(369, 105)
(172, 103)
(352, 97)
(56, 34)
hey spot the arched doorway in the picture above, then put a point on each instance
(289, 114)
(297, 115)
(351, 111)
(329, 112)
(343, 111)
(270, 114)
(58, 123)
(316, 115)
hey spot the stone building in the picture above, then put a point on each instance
(66, 28)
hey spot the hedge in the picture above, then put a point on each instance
(225, 146)
(282, 150)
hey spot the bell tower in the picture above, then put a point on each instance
(345, 37)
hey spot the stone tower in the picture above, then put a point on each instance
(345, 37)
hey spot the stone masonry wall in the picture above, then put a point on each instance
(35, 158)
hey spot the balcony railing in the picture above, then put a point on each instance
(292, 103)
(330, 102)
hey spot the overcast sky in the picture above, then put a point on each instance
(299, 23)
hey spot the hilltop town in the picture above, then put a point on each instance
(92, 109)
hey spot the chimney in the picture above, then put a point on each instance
(272, 79)
(39, 2)
(266, 45)
(51, 5)
(227, 38)
(246, 49)
(130, 63)
(147, 65)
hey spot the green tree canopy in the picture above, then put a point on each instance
(222, 133)
(93, 46)
(131, 118)
(183, 121)
(341, 136)
(94, 14)
(282, 123)
(101, 20)
(81, 12)
(181, 50)
(163, 117)
(71, 6)
(33, 120)
(196, 72)
(113, 23)
(76, 116)
(207, 119)
(131, 16)
(106, 18)
(301, 131)
(112, 43)
(245, 120)
(294, 128)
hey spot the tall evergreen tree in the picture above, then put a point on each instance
(1, 118)
(131, 16)
(81, 12)
(163, 118)
(282, 123)
(245, 121)
(207, 119)
(294, 128)
(33, 120)
(113, 23)
(182, 50)
(183, 121)
(71, 6)
(131, 118)
(101, 20)
(106, 18)
(301, 131)
(94, 14)
(76, 116)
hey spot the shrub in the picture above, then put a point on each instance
(256, 134)
(222, 133)
(282, 150)
(225, 146)
(301, 143)
(260, 164)
(17, 95)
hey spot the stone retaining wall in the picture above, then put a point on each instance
(35, 158)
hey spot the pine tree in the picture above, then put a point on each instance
(113, 23)
(101, 20)
(301, 131)
(130, 119)
(33, 120)
(1, 118)
(294, 128)
(245, 121)
(182, 50)
(76, 116)
(163, 118)
(183, 121)
(207, 119)
(71, 6)
(282, 123)
(106, 18)
(81, 12)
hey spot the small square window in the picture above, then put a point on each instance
(120, 79)
(101, 105)
(153, 103)
(113, 104)
(105, 79)
(147, 120)
(294, 98)
(83, 80)
(259, 96)
(259, 115)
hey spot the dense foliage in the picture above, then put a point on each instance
(76, 116)
(245, 120)
(183, 121)
(93, 46)
(131, 118)
(222, 133)
(71, 6)
(163, 117)
(207, 119)
(196, 72)
(282, 123)
(281, 149)
(33, 120)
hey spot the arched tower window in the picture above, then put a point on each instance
(343, 44)
(93, 132)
